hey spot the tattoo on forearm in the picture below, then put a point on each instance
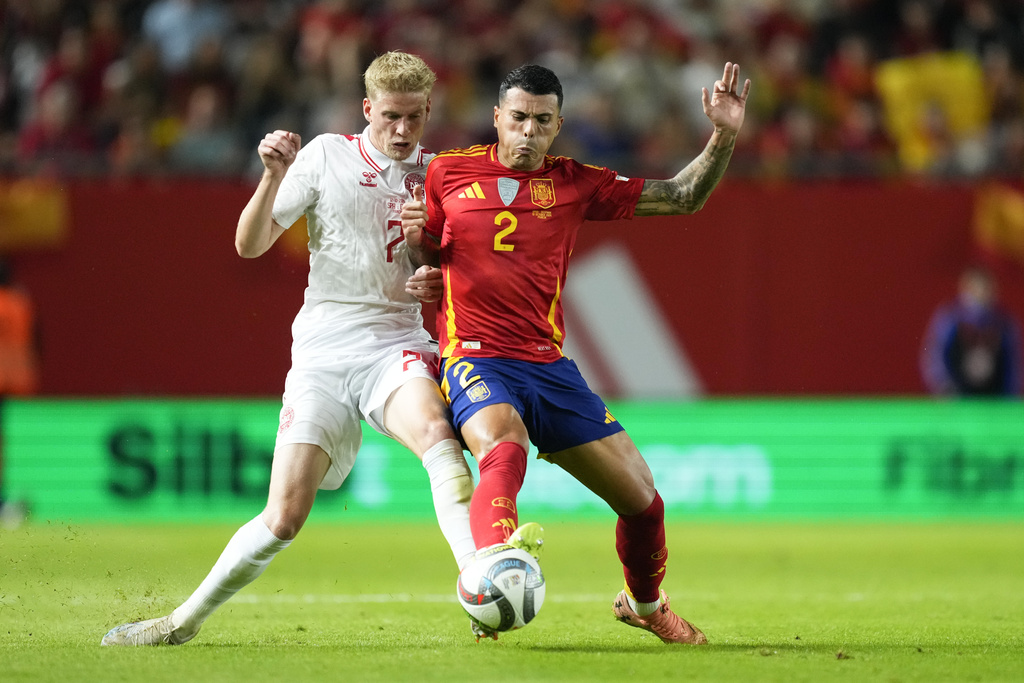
(687, 192)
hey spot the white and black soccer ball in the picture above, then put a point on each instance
(502, 589)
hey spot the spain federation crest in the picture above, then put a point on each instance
(542, 192)
(478, 392)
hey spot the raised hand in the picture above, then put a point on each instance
(277, 150)
(724, 106)
(414, 217)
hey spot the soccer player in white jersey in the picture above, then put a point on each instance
(359, 349)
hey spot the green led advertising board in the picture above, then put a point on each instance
(175, 460)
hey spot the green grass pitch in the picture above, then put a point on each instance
(375, 602)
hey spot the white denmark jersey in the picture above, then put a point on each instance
(352, 196)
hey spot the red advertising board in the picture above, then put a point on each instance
(772, 289)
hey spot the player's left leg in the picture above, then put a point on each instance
(416, 416)
(613, 468)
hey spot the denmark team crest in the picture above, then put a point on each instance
(542, 192)
(412, 180)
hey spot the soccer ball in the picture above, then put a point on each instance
(502, 589)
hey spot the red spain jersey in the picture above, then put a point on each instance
(506, 237)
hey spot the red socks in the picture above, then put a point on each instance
(640, 541)
(492, 512)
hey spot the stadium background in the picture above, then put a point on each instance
(763, 353)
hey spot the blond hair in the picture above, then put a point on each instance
(398, 72)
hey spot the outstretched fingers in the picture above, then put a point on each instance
(730, 82)
(746, 89)
(729, 76)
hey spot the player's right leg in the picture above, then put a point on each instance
(498, 439)
(493, 430)
(489, 417)
(295, 476)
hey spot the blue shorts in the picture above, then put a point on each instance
(558, 408)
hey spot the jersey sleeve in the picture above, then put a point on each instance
(607, 195)
(300, 188)
(433, 190)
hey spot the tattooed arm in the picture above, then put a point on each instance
(687, 192)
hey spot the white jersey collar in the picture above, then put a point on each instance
(377, 159)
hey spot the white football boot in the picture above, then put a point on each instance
(158, 631)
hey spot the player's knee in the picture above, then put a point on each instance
(284, 521)
(633, 497)
(433, 430)
(438, 428)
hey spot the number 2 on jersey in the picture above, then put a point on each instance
(500, 220)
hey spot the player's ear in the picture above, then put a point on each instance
(427, 118)
(367, 108)
(497, 113)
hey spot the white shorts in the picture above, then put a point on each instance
(323, 404)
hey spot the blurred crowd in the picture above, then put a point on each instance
(841, 88)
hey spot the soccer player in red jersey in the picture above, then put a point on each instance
(501, 221)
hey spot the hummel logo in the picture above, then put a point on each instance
(474, 191)
(369, 177)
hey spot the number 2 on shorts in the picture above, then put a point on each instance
(461, 372)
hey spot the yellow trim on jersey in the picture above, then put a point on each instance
(556, 334)
(474, 151)
(445, 386)
(449, 320)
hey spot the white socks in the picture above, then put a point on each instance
(244, 558)
(451, 483)
(253, 546)
(642, 609)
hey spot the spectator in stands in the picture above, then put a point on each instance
(831, 101)
(207, 143)
(973, 345)
(178, 27)
(55, 140)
